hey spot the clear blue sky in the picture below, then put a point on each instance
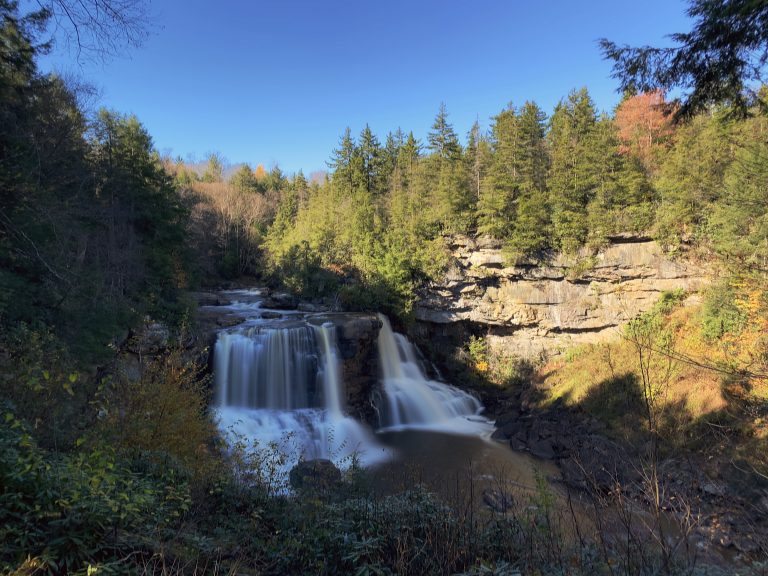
(277, 81)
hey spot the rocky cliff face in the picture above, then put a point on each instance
(533, 310)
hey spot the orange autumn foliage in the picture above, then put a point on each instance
(644, 123)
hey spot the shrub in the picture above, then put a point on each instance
(720, 315)
(40, 380)
(60, 513)
(164, 413)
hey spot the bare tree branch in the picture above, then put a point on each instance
(99, 29)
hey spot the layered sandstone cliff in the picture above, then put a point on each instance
(533, 309)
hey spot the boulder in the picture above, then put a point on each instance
(151, 338)
(315, 476)
(542, 449)
(269, 315)
(281, 301)
(498, 500)
(356, 334)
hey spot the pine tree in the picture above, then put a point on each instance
(573, 172)
(498, 194)
(370, 162)
(244, 180)
(214, 169)
(442, 139)
(403, 205)
(389, 154)
(301, 188)
(609, 196)
(692, 176)
(738, 225)
(275, 180)
(530, 229)
(450, 197)
(477, 157)
(342, 161)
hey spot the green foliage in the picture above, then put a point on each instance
(68, 511)
(538, 188)
(245, 181)
(214, 169)
(301, 271)
(668, 301)
(581, 266)
(41, 381)
(720, 315)
(573, 174)
(692, 178)
(738, 224)
(712, 64)
(91, 230)
(162, 414)
(478, 353)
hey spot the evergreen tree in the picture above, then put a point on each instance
(692, 176)
(478, 157)
(496, 204)
(214, 169)
(738, 225)
(389, 154)
(370, 161)
(343, 159)
(301, 187)
(442, 139)
(717, 62)
(244, 180)
(530, 229)
(275, 180)
(610, 195)
(574, 175)
(450, 198)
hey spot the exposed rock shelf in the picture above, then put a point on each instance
(533, 309)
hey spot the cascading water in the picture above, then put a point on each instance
(278, 383)
(280, 387)
(411, 400)
(274, 369)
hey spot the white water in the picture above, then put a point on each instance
(279, 389)
(411, 400)
(266, 368)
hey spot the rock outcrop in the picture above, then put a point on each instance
(531, 309)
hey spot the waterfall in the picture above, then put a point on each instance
(271, 368)
(332, 385)
(411, 400)
(280, 387)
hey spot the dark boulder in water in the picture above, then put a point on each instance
(317, 476)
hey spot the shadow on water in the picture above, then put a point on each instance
(458, 466)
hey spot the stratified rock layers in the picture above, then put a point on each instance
(541, 309)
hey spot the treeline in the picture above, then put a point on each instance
(374, 229)
(92, 229)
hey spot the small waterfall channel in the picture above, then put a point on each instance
(278, 383)
(411, 400)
